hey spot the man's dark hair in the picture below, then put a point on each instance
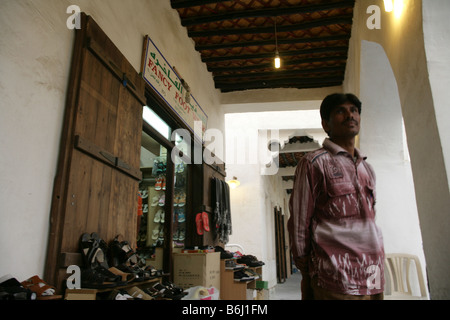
(337, 99)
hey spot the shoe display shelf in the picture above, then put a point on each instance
(230, 289)
(85, 293)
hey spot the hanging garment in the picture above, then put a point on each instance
(227, 229)
(222, 213)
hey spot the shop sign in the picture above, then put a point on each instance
(160, 75)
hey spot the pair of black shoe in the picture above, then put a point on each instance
(250, 261)
(224, 254)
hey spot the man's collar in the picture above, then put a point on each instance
(335, 149)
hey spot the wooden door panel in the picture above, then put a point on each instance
(98, 104)
(99, 165)
(129, 129)
(88, 196)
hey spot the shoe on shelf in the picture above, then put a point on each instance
(182, 235)
(232, 265)
(241, 276)
(224, 254)
(181, 216)
(137, 293)
(155, 200)
(252, 273)
(250, 261)
(182, 199)
(176, 199)
(155, 233)
(144, 193)
(159, 216)
(162, 200)
(158, 184)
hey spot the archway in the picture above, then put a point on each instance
(382, 140)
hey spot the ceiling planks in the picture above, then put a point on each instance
(237, 42)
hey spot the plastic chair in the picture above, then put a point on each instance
(397, 268)
(232, 245)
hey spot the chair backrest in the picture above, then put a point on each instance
(398, 267)
(235, 245)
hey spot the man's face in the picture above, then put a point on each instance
(344, 121)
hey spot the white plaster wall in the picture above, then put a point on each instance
(436, 24)
(35, 57)
(382, 140)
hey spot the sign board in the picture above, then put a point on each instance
(160, 75)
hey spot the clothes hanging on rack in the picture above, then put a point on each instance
(222, 213)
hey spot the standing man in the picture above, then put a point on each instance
(334, 239)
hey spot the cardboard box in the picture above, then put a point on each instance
(197, 269)
(262, 284)
(81, 294)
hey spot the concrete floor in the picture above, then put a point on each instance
(289, 290)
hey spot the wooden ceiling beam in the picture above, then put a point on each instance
(180, 4)
(271, 54)
(277, 83)
(241, 44)
(277, 73)
(301, 86)
(267, 12)
(348, 19)
(218, 70)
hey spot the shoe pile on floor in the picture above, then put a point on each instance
(113, 265)
(159, 291)
(33, 288)
(116, 265)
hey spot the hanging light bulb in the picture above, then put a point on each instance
(277, 60)
(277, 54)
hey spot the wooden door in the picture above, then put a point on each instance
(280, 245)
(96, 185)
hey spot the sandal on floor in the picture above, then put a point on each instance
(43, 290)
(176, 290)
(167, 293)
(12, 289)
(119, 294)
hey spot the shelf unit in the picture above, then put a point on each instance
(233, 290)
